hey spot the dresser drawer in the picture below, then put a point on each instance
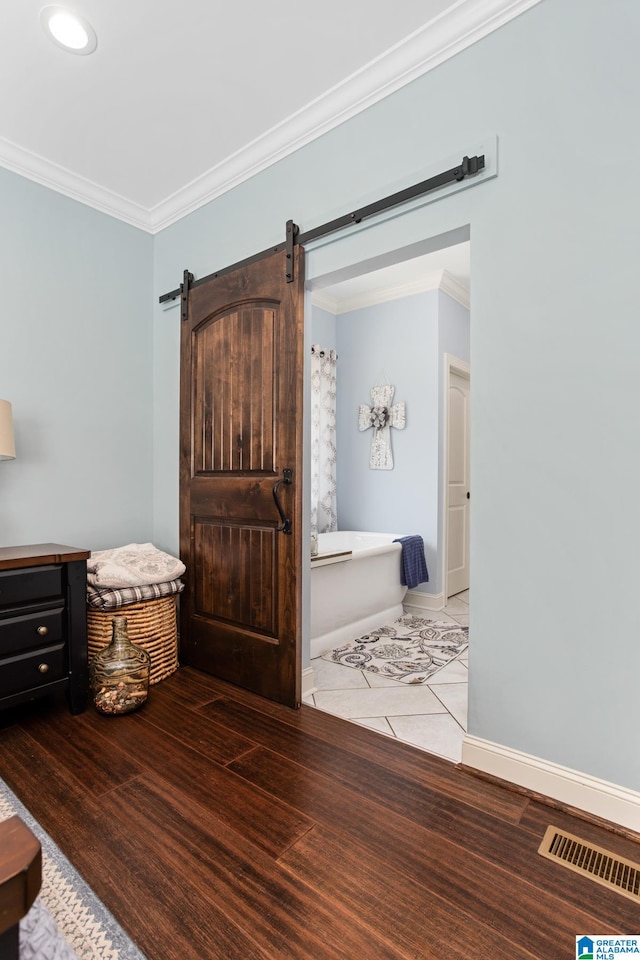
(43, 624)
(28, 631)
(31, 670)
(36, 583)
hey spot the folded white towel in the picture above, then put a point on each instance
(134, 565)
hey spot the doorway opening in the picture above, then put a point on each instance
(405, 324)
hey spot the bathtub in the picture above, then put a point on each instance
(355, 586)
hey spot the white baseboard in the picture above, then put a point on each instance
(308, 682)
(598, 797)
(416, 601)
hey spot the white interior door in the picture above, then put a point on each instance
(459, 491)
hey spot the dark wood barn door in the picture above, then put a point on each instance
(241, 429)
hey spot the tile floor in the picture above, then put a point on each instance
(431, 715)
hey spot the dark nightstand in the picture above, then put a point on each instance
(43, 623)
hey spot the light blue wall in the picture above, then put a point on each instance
(323, 328)
(453, 330)
(394, 342)
(403, 342)
(75, 361)
(554, 341)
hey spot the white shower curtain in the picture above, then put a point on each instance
(323, 440)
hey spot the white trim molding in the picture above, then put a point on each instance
(455, 289)
(73, 185)
(463, 369)
(308, 682)
(598, 797)
(458, 27)
(320, 298)
(418, 602)
(438, 280)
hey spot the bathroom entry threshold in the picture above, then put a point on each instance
(323, 558)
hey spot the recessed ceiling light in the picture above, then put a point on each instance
(68, 30)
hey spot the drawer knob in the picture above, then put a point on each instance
(43, 667)
(43, 631)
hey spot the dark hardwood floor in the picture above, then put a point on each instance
(214, 824)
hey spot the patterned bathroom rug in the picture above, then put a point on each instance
(410, 649)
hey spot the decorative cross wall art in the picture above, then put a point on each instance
(381, 415)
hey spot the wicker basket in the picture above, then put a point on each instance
(151, 624)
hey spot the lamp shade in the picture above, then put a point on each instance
(7, 445)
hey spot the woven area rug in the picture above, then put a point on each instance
(67, 920)
(410, 649)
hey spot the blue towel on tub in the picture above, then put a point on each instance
(413, 563)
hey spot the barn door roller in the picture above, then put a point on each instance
(187, 280)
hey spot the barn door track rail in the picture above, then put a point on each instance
(467, 168)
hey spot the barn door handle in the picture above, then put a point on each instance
(287, 478)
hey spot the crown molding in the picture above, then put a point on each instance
(324, 301)
(435, 42)
(455, 289)
(438, 280)
(58, 178)
(463, 24)
(394, 291)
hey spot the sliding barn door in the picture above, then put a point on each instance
(241, 442)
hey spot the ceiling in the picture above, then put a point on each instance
(183, 99)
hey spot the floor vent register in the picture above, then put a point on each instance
(601, 865)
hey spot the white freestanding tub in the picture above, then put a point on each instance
(355, 586)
